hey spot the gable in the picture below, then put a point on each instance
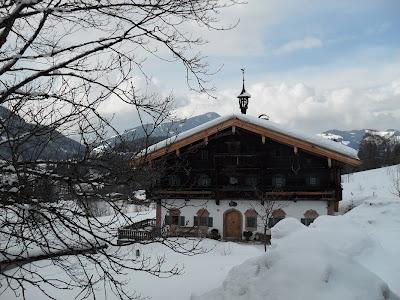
(266, 130)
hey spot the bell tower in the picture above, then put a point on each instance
(243, 98)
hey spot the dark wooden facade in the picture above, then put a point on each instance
(236, 163)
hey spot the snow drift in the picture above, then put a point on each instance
(343, 257)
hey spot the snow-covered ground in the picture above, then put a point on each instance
(372, 184)
(350, 256)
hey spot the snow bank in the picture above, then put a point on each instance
(283, 229)
(354, 256)
(371, 184)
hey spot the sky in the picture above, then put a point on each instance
(311, 65)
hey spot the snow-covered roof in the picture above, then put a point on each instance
(270, 126)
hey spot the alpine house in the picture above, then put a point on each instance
(218, 175)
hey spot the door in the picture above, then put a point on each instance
(233, 225)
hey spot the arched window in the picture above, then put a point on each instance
(277, 215)
(309, 217)
(203, 218)
(174, 217)
(278, 180)
(204, 180)
(251, 220)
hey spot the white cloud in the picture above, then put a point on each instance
(301, 106)
(301, 44)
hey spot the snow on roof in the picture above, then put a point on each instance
(269, 125)
(245, 94)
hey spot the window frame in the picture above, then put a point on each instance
(274, 181)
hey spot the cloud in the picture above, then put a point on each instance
(302, 44)
(301, 106)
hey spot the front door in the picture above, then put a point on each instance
(233, 225)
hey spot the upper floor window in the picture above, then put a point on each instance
(278, 181)
(204, 180)
(251, 180)
(204, 154)
(312, 180)
(174, 180)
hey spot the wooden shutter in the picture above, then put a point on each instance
(195, 221)
(182, 220)
(210, 222)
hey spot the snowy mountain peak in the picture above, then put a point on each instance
(353, 138)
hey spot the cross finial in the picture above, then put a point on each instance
(242, 74)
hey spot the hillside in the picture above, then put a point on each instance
(354, 138)
(35, 142)
(154, 134)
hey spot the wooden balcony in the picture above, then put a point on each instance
(248, 192)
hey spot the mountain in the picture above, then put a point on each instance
(138, 134)
(35, 142)
(353, 138)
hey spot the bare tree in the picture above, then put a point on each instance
(59, 62)
(265, 210)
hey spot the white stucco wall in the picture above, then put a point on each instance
(189, 209)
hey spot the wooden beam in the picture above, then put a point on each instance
(305, 193)
(295, 150)
(169, 192)
(329, 163)
(206, 140)
(233, 129)
(263, 139)
(177, 152)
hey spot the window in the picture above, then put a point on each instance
(309, 217)
(204, 180)
(251, 180)
(312, 180)
(174, 220)
(203, 221)
(273, 221)
(174, 180)
(277, 215)
(203, 218)
(204, 154)
(279, 181)
(251, 220)
(307, 221)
